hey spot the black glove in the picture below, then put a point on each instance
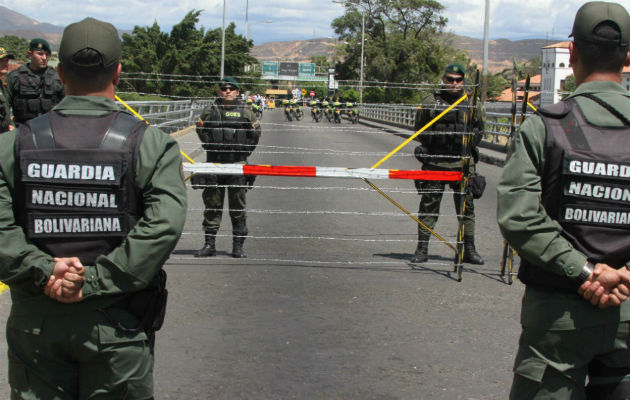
(420, 153)
(249, 181)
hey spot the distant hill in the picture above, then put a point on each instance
(296, 50)
(13, 23)
(500, 51)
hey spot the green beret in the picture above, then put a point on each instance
(228, 80)
(594, 13)
(39, 44)
(92, 34)
(455, 68)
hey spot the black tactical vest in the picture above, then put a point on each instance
(227, 134)
(76, 193)
(454, 122)
(586, 188)
(36, 95)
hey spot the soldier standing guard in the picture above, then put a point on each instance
(229, 132)
(92, 205)
(443, 150)
(564, 206)
(34, 88)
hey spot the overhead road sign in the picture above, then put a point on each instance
(307, 69)
(288, 68)
(270, 68)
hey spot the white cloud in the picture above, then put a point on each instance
(299, 19)
(515, 19)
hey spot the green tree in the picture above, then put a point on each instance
(185, 62)
(517, 69)
(320, 89)
(15, 45)
(533, 66)
(496, 84)
(403, 43)
(568, 86)
(350, 95)
(320, 61)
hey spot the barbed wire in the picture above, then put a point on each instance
(305, 237)
(307, 128)
(326, 212)
(321, 262)
(339, 188)
(256, 81)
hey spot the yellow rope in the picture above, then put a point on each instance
(140, 116)
(403, 144)
(410, 215)
(424, 128)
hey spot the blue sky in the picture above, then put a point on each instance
(307, 19)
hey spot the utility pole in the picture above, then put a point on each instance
(484, 76)
(362, 46)
(223, 44)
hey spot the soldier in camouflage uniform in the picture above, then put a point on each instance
(81, 272)
(5, 108)
(34, 88)
(564, 205)
(229, 132)
(443, 151)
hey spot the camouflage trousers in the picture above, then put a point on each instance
(214, 196)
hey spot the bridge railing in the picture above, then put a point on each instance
(175, 115)
(497, 127)
(170, 115)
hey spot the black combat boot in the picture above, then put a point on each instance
(237, 247)
(208, 249)
(470, 254)
(421, 254)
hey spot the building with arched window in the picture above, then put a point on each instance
(555, 70)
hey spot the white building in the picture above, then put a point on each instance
(555, 69)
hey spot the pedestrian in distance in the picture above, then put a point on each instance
(229, 132)
(34, 88)
(442, 150)
(563, 206)
(93, 203)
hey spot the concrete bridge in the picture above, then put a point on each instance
(327, 306)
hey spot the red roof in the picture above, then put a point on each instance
(506, 95)
(560, 45)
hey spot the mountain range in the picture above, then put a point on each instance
(501, 52)
(16, 24)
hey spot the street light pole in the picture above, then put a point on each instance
(268, 21)
(223, 44)
(484, 76)
(247, 20)
(362, 45)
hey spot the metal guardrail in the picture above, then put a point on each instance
(170, 116)
(174, 115)
(497, 125)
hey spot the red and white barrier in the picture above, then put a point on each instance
(320, 172)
